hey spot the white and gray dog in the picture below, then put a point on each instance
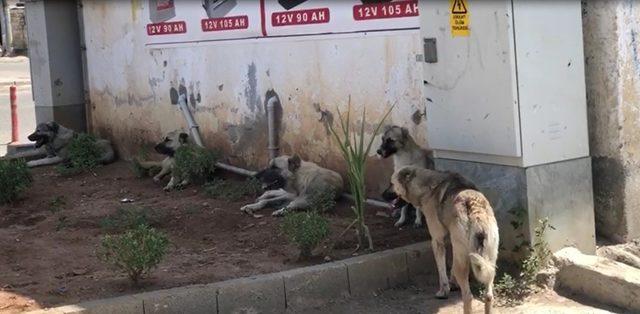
(51, 146)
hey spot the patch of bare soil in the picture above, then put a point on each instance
(47, 252)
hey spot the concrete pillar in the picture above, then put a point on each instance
(612, 58)
(56, 62)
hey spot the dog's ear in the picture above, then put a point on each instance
(405, 132)
(53, 126)
(294, 163)
(183, 138)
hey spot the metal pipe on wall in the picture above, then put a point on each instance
(274, 150)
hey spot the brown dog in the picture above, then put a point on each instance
(452, 205)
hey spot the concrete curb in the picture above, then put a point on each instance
(598, 278)
(275, 293)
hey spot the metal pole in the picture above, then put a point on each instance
(13, 96)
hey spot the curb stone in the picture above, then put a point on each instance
(274, 293)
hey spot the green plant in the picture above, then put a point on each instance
(306, 230)
(125, 218)
(511, 291)
(141, 172)
(15, 178)
(195, 162)
(66, 170)
(57, 204)
(63, 222)
(354, 152)
(136, 252)
(84, 152)
(323, 200)
(231, 190)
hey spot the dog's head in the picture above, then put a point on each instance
(271, 179)
(401, 179)
(280, 170)
(394, 139)
(171, 143)
(45, 133)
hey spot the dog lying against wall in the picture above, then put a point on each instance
(290, 181)
(51, 146)
(453, 206)
(398, 143)
(168, 147)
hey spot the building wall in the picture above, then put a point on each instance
(612, 69)
(129, 87)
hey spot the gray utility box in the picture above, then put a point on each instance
(506, 106)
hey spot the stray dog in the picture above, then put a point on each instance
(51, 146)
(168, 147)
(397, 142)
(291, 181)
(453, 205)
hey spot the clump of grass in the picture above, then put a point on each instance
(232, 190)
(57, 204)
(141, 172)
(323, 200)
(15, 178)
(125, 218)
(135, 252)
(84, 152)
(306, 230)
(510, 290)
(195, 163)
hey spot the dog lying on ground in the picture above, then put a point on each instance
(452, 205)
(397, 142)
(291, 181)
(168, 147)
(51, 146)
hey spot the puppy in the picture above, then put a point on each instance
(291, 181)
(397, 142)
(51, 146)
(452, 205)
(168, 147)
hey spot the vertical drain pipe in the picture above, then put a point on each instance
(274, 149)
(193, 127)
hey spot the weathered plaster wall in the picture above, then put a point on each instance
(227, 82)
(611, 30)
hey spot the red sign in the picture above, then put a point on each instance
(301, 17)
(225, 23)
(387, 10)
(179, 27)
(164, 4)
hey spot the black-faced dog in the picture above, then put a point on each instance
(168, 147)
(51, 146)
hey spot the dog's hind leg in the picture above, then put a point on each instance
(461, 267)
(438, 234)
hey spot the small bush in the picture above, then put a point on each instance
(195, 162)
(126, 218)
(231, 190)
(136, 252)
(323, 200)
(15, 178)
(141, 172)
(306, 230)
(84, 152)
(57, 204)
(512, 291)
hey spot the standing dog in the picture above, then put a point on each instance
(452, 205)
(168, 147)
(51, 146)
(292, 181)
(397, 142)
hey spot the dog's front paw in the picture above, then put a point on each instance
(279, 212)
(443, 293)
(156, 179)
(247, 209)
(417, 224)
(167, 188)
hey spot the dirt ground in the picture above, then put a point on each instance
(48, 253)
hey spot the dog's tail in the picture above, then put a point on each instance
(484, 240)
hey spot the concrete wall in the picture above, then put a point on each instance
(611, 30)
(129, 87)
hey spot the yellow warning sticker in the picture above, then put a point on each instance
(459, 18)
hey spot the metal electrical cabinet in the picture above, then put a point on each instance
(509, 91)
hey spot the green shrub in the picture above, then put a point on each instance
(512, 291)
(57, 204)
(126, 218)
(195, 162)
(323, 200)
(232, 190)
(306, 230)
(84, 152)
(136, 252)
(141, 172)
(15, 178)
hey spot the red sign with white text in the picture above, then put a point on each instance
(225, 23)
(387, 10)
(301, 17)
(168, 28)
